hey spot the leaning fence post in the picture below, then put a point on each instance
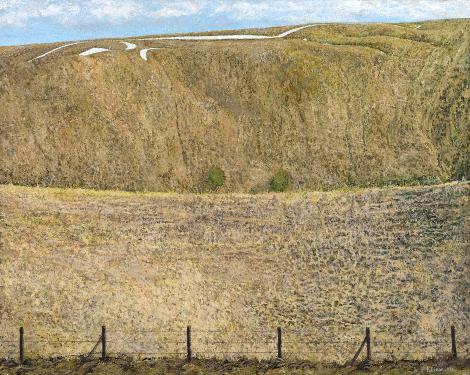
(21, 345)
(188, 343)
(103, 343)
(279, 342)
(369, 353)
(454, 342)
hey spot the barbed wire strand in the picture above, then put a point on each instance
(145, 353)
(420, 345)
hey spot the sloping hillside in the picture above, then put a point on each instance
(332, 104)
(235, 267)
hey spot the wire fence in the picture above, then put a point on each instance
(277, 343)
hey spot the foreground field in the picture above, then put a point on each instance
(214, 367)
(322, 266)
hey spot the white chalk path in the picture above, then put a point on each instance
(294, 31)
(93, 51)
(143, 53)
(129, 46)
(54, 50)
(229, 37)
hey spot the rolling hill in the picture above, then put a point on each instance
(333, 105)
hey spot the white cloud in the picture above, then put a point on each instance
(5, 4)
(54, 10)
(179, 9)
(245, 9)
(344, 10)
(407, 9)
(19, 12)
(62, 13)
(76, 13)
(12, 13)
(114, 10)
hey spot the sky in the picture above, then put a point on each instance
(41, 21)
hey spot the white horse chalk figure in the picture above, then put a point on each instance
(143, 52)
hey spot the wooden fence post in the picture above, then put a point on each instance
(103, 343)
(21, 345)
(188, 343)
(369, 353)
(279, 342)
(454, 342)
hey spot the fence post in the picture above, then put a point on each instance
(279, 342)
(21, 345)
(188, 343)
(103, 343)
(369, 353)
(454, 342)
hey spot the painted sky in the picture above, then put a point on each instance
(38, 21)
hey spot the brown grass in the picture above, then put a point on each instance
(352, 105)
(328, 264)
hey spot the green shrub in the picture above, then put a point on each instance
(280, 181)
(215, 177)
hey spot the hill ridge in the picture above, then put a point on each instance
(336, 105)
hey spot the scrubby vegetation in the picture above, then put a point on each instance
(215, 177)
(280, 181)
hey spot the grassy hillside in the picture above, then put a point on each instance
(235, 267)
(332, 105)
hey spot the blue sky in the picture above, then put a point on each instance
(40, 21)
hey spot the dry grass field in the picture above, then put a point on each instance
(234, 267)
(334, 105)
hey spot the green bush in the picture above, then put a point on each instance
(280, 181)
(215, 177)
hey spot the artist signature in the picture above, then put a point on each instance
(437, 369)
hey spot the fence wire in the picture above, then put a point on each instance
(162, 343)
